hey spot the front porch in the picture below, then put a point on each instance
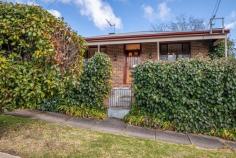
(126, 56)
(128, 50)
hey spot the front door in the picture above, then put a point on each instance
(132, 60)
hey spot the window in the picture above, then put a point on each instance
(174, 51)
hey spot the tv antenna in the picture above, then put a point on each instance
(112, 25)
(214, 18)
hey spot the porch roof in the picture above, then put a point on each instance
(142, 37)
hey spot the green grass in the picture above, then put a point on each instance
(33, 138)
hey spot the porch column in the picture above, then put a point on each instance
(98, 48)
(158, 51)
(226, 47)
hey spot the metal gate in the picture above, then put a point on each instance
(120, 97)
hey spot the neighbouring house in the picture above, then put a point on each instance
(127, 50)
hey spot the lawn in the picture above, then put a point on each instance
(32, 138)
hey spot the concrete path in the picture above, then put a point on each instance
(4, 155)
(116, 126)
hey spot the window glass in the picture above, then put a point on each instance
(186, 48)
(174, 51)
(164, 49)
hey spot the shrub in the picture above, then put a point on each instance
(41, 64)
(195, 96)
(82, 112)
(95, 83)
(31, 33)
(138, 117)
(38, 55)
(24, 84)
(85, 98)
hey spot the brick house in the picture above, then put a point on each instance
(129, 49)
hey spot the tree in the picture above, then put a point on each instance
(181, 23)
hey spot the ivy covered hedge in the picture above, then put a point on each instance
(195, 96)
(95, 83)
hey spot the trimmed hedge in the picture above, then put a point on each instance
(196, 96)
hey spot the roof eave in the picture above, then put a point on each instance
(157, 35)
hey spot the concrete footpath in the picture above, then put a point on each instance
(4, 155)
(116, 126)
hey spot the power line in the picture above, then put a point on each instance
(213, 11)
(216, 8)
(213, 17)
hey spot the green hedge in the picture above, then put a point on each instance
(196, 96)
(25, 84)
(95, 83)
(41, 65)
(38, 55)
(30, 33)
(86, 97)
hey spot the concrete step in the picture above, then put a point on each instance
(117, 112)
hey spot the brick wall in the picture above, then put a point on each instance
(117, 55)
(199, 49)
(148, 52)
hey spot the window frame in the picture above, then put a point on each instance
(177, 53)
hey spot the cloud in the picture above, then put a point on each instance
(232, 19)
(97, 11)
(54, 12)
(231, 25)
(149, 12)
(162, 12)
